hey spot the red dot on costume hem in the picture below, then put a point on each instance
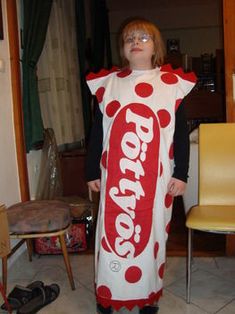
(161, 169)
(169, 78)
(112, 108)
(164, 117)
(168, 227)
(171, 152)
(124, 73)
(168, 200)
(133, 274)
(104, 159)
(156, 248)
(99, 94)
(105, 245)
(104, 292)
(144, 90)
(177, 103)
(161, 270)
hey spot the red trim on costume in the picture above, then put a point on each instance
(188, 76)
(101, 73)
(129, 304)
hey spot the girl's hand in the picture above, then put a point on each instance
(176, 187)
(94, 185)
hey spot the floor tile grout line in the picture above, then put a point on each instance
(224, 306)
(184, 299)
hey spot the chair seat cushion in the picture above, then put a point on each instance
(38, 216)
(219, 218)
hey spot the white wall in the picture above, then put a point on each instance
(198, 24)
(9, 179)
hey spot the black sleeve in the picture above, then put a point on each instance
(181, 145)
(94, 151)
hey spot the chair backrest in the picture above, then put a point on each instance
(4, 233)
(217, 164)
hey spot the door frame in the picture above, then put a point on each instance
(17, 98)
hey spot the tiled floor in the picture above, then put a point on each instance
(213, 284)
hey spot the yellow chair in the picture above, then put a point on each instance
(35, 219)
(216, 209)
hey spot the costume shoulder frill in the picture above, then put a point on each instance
(101, 73)
(187, 76)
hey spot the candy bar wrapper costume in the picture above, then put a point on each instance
(137, 162)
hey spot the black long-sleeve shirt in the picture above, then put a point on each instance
(181, 147)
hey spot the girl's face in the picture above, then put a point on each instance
(138, 49)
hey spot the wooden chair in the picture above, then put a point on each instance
(216, 209)
(4, 247)
(4, 235)
(35, 219)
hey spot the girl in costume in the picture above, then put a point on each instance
(138, 161)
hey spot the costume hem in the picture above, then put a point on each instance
(129, 304)
(101, 73)
(187, 76)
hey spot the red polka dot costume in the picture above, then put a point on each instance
(138, 110)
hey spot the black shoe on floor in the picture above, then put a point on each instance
(149, 310)
(103, 310)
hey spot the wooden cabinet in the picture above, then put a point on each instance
(206, 102)
(201, 104)
(73, 173)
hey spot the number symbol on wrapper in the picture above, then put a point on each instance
(115, 266)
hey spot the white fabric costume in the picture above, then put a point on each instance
(138, 110)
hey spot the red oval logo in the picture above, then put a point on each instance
(132, 164)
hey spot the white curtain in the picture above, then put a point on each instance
(58, 76)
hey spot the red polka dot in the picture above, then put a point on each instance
(104, 159)
(168, 200)
(104, 292)
(124, 73)
(156, 248)
(99, 94)
(161, 270)
(144, 90)
(168, 227)
(161, 169)
(171, 151)
(105, 245)
(177, 103)
(133, 274)
(112, 108)
(164, 117)
(169, 78)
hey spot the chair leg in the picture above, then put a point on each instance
(29, 244)
(66, 260)
(189, 266)
(4, 273)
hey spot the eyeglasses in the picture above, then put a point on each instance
(143, 38)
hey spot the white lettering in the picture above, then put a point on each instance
(134, 166)
(144, 126)
(124, 202)
(124, 226)
(124, 247)
(136, 187)
(130, 145)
